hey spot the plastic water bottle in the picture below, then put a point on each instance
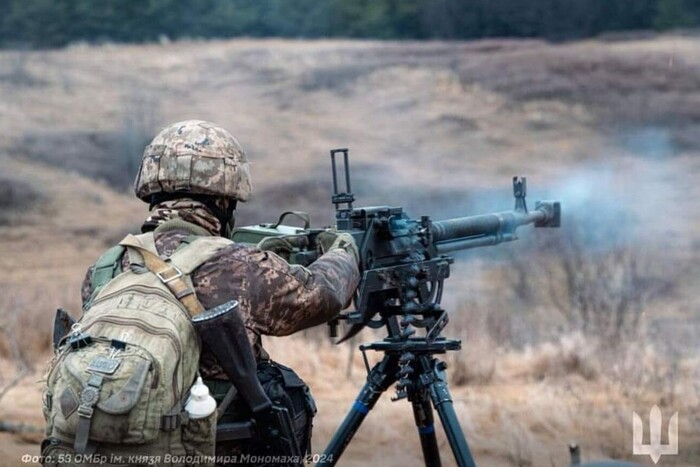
(200, 404)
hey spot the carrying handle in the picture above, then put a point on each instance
(298, 214)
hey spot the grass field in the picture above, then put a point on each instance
(565, 332)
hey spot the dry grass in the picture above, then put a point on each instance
(436, 127)
(571, 356)
(474, 365)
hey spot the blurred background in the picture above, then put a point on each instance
(597, 102)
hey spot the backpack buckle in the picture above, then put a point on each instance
(161, 275)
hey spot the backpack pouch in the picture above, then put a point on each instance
(198, 437)
(124, 412)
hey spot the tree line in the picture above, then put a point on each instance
(55, 23)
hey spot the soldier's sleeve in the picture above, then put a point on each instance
(86, 287)
(287, 298)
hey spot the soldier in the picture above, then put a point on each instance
(192, 175)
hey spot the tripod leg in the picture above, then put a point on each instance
(423, 414)
(442, 401)
(382, 375)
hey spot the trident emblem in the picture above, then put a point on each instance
(654, 449)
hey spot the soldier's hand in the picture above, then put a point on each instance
(278, 245)
(337, 240)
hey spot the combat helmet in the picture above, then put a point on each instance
(194, 157)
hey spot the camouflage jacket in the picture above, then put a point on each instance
(275, 298)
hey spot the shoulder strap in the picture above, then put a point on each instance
(105, 269)
(174, 272)
(170, 275)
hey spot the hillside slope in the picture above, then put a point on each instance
(609, 128)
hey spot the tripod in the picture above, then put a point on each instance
(404, 266)
(419, 377)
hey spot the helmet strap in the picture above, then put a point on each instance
(227, 228)
(229, 221)
(223, 213)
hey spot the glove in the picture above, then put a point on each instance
(335, 240)
(278, 245)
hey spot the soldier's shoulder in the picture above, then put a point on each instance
(237, 253)
(168, 241)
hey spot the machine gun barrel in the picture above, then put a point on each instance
(491, 229)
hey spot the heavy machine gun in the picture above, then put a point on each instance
(404, 263)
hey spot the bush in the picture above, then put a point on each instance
(571, 355)
(598, 291)
(16, 197)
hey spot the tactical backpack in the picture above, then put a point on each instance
(119, 381)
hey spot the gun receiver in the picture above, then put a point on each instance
(403, 261)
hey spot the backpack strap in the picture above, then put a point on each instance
(106, 268)
(174, 272)
(174, 279)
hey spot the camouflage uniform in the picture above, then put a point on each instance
(275, 298)
(193, 174)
